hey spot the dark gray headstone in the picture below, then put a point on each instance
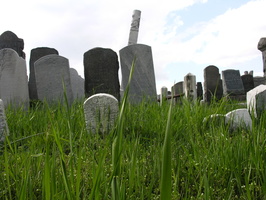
(178, 88)
(248, 82)
(232, 83)
(53, 79)
(77, 83)
(143, 84)
(13, 79)
(199, 91)
(101, 72)
(262, 48)
(212, 84)
(10, 40)
(259, 80)
(36, 54)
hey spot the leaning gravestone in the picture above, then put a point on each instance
(256, 100)
(101, 111)
(190, 86)
(53, 79)
(36, 54)
(101, 72)
(13, 79)
(77, 83)
(143, 84)
(212, 84)
(239, 118)
(10, 40)
(232, 84)
(4, 131)
(248, 82)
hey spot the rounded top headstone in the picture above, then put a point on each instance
(262, 44)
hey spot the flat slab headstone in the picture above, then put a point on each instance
(53, 79)
(101, 72)
(213, 87)
(13, 79)
(256, 100)
(199, 91)
(232, 83)
(8, 39)
(4, 131)
(248, 82)
(77, 83)
(35, 55)
(101, 111)
(239, 118)
(190, 89)
(178, 88)
(143, 84)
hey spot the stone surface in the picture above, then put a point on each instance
(13, 79)
(134, 29)
(256, 100)
(53, 79)
(163, 95)
(10, 40)
(143, 84)
(232, 83)
(101, 72)
(77, 84)
(190, 89)
(239, 118)
(248, 82)
(4, 131)
(178, 88)
(101, 111)
(212, 84)
(36, 54)
(199, 91)
(259, 80)
(262, 48)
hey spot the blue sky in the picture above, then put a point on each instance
(185, 35)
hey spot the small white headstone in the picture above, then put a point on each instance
(239, 118)
(256, 100)
(4, 131)
(190, 89)
(101, 111)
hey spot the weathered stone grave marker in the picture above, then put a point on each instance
(248, 82)
(259, 80)
(101, 111)
(134, 29)
(101, 72)
(256, 100)
(190, 89)
(163, 95)
(4, 131)
(239, 118)
(199, 91)
(77, 83)
(262, 48)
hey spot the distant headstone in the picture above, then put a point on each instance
(256, 100)
(232, 83)
(13, 79)
(101, 111)
(101, 72)
(239, 118)
(77, 83)
(262, 48)
(245, 72)
(178, 88)
(163, 95)
(248, 82)
(251, 73)
(212, 84)
(143, 84)
(36, 54)
(259, 80)
(53, 79)
(134, 29)
(4, 131)
(10, 40)
(190, 86)
(199, 90)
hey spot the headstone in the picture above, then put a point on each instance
(36, 54)
(256, 100)
(77, 84)
(13, 79)
(259, 80)
(190, 86)
(212, 84)
(248, 82)
(101, 72)
(199, 91)
(53, 79)
(101, 111)
(134, 29)
(163, 95)
(178, 88)
(4, 131)
(239, 118)
(232, 83)
(262, 48)
(10, 40)
(245, 72)
(251, 73)
(143, 84)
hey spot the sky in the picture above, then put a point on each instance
(185, 35)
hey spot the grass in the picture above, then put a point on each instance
(163, 152)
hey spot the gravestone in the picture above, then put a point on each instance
(232, 83)
(4, 131)
(10, 40)
(101, 111)
(77, 84)
(212, 84)
(134, 29)
(53, 79)
(199, 90)
(178, 88)
(36, 54)
(248, 82)
(143, 84)
(190, 86)
(239, 118)
(259, 80)
(101, 72)
(262, 48)
(13, 79)
(256, 100)
(163, 95)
